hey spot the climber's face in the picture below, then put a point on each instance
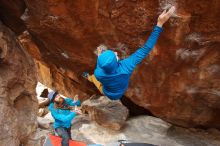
(59, 99)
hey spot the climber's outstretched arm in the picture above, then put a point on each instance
(131, 62)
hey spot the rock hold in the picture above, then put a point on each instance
(107, 113)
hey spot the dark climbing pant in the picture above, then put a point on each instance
(65, 134)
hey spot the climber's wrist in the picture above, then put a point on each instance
(159, 24)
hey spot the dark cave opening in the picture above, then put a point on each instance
(134, 109)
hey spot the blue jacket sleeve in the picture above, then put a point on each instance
(60, 117)
(132, 61)
(71, 102)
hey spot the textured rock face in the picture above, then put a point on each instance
(55, 77)
(179, 81)
(18, 104)
(107, 113)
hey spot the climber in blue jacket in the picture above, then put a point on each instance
(62, 114)
(111, 76)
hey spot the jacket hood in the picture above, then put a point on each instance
(108, 61)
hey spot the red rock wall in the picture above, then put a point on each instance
(178, 81)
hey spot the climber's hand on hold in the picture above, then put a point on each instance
(76, 98)
(78, 112)
(165, 16)
(99, 51)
